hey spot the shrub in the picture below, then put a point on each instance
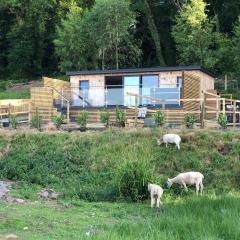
(120, 117)
(36, 121)
(159, 118)
(133, 178)
(104, 117)
(222, 120)
(13, 121)
(58, 120)
(190, 120)
(82, 119)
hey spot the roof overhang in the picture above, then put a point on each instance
(139, 70)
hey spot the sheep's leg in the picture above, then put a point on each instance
(184, 184)
(161, 203)
(158, 200)
(166, 145)
(178, 146)
(197, 188)
(201, 188)
(152, 201)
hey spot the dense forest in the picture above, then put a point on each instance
(51, 36)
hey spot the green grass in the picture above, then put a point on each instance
(115, 165)
(202, 218)
(14, 94)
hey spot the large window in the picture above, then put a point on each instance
(84, 90)
(131, 85)
(149, 84)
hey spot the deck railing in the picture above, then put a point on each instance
(116, 95)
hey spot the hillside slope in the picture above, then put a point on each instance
(110, 165)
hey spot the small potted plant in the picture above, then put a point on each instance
(190, 120)
(222, 121)
(14, 121)
(105, 117)
(58, 120)
(82, 120)
(159, 118)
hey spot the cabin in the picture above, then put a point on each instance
(111, 88)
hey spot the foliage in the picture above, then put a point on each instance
(36, 121)
(105, 117)
(95, 170)
(14, 121)
(120, 117)
(104, 29)
(159, 118)
(222, 120)
(58, 120)
(190, 120)
(82, 119)
(193, 34)
(133, 178)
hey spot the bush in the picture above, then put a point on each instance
(82, 119)
(13, 121)
(133, 178)
(120, 117)
(190, 120)
(159, 118)
(105, 117)
(36, 121)
(58, 120)
(222, 120)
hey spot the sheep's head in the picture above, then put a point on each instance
(159, 141)
(169, 183)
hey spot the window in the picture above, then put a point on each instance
(84, 85)
(179, 82)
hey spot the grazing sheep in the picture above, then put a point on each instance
(170, 138)
(156, 193)
(190, 178)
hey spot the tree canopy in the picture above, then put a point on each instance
(47, 36)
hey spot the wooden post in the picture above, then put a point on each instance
(234, 113)
(68, 110)
(224, 106)
(38, 117)
(203, 112)
(136, 111)
(9, 113)
(29, 113)
(217, 108)
(62, 98)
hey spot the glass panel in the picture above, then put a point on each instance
(131, 85)
(84, 92)
(167, 94)
(149, 82)
(179, 82)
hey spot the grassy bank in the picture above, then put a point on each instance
(116, 165)
(15, 94)
(193, 218)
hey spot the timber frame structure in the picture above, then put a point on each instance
(193, 94)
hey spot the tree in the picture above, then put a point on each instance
(99, 38)
(236, 49)
(193, 34)
(71, 44)
(110, 22)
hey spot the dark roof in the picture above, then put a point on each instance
(139, 70)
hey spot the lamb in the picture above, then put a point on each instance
(191, 178)
(156, 193)
(170, 138)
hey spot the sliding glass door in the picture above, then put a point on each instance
(131, 85)
(149, 85)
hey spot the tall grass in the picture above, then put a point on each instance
(113, 165)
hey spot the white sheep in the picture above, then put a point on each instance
(156, 193)
(190, 178)
(170, 138)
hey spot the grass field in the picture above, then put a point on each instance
(103, 177)
(15, 94)
(203, 218)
